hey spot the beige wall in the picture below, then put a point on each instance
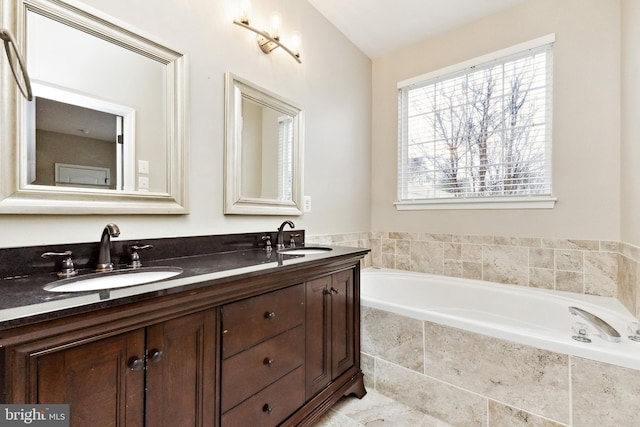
(630, 129)
(586, 135)
(333, 85)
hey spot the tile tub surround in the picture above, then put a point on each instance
(356, 240)
(469, 379)
(603, 268)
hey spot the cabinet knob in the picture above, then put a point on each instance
(268, 361)
(155, 356)
(267, 408)
(136, 364)
(270, 315)
(333, 291)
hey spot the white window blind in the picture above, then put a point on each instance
(285, 158)
(482, 132)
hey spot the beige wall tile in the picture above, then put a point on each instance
(541, 258)
(581, 266)
(585, 245)
(472, 270)
(505, 416)
(427, 257)
(368, 366)
(604, 395)
(541, 278)
(392, 337)
(505, 264)
(437, 399)
(471, 252)
(525, 377)
(569, 260)
(403, 262)
(480, 240)
(453, 251)
(388, 246)
(531, 242)
(388, 260)
(627, 282)
(600, 273)
(452, 268)
(569, 281)
(403, 247)
(431, 237)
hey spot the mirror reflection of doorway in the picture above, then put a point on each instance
(91, 144)
(73, 129)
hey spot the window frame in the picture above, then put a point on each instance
(476, 202)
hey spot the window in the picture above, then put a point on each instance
(478, 133)
(285, 158)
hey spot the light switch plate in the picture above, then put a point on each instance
(306, 204)
(143, 166)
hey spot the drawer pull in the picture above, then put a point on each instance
(270, 315)
(333, 291)
(267, 408)
(136, 364)
(268, 361)
(156, 356)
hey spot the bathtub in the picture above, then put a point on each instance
(529, 316)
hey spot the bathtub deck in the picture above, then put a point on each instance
(376, 410)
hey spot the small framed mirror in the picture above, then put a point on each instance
(263, 152)
(106, 132)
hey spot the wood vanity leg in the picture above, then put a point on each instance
(357, 386)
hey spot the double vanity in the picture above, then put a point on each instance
(240, 335)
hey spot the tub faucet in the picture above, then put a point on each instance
(104, 256)
(280, 241)
(605, 330)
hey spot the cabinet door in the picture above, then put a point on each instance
(318, 330)
(342, 317)
(181, 371)
(103, 381)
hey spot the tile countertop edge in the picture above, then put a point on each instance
(20, 315)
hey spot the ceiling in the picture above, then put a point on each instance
(379, 27)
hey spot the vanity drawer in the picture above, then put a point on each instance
(248, 322)
(250, 371)
(272, 405)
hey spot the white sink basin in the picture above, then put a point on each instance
(305, 251)
(113, 279)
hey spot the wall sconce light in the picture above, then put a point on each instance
(270, 42)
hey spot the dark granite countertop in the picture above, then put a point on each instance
(23, 299)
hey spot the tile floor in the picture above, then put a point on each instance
(375, 410)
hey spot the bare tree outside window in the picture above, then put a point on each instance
(480, 133)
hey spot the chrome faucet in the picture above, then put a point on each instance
(104, 256)
(605, 330)
(280, 240)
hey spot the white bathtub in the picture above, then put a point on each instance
(534, 317)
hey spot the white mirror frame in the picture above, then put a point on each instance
(234, 201)
(17, 197)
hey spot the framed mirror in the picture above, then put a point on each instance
(106, 132)
(263, 152)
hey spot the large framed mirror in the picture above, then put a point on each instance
(263, 152)
(106, 132)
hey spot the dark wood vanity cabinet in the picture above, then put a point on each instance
(160, 375)
(268, 350)
(330, 344)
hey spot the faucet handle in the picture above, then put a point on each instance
(68, 269)
(267, 239)
(292, 240)
(135, 257)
